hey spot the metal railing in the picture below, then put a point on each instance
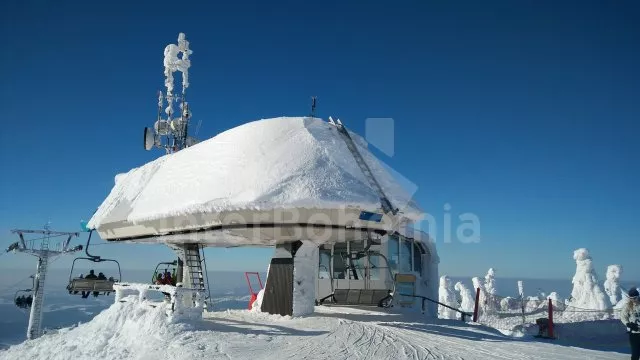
(463, 314)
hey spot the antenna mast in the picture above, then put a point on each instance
(314, 99)
(41, 248)
(171, 133)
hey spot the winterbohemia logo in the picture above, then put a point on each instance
(251, 224)
(380, 132)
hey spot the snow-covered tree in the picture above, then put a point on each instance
(447, 297)
(509, 303)
(586, 292)
(558, 302)
(490, 287)
(521, 288)
(466, 297)
(477, 284)
(612, 284)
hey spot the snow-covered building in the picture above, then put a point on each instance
(289, 182)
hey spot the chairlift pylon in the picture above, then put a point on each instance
(92, 285)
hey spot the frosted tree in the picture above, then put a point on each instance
(477, 284)
(586, 292)
(509, 303)
(521, 288)
(612, 284)
(446, 296)
(490, 287)
(466, 297)
(558, 302)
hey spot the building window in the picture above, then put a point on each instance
(339, 265)
(417, 258)
(405, 256)
(393, 253)
(324, 264)
(374, 266)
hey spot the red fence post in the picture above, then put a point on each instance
(475, 308)
(550, 318)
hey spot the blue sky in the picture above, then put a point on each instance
(523, 114)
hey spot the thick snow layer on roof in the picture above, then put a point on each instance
(287, 162)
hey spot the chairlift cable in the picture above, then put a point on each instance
(14, 285)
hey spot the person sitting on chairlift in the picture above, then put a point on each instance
(159, 279)
(91, 276)
(100, 277)
(167, 278)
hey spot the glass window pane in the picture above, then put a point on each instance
(393, 257)
(339, 266)
(417, 258)
(405, 256)
(374, 266)
(324, 264)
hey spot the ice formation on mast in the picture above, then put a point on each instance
(173, 63)
(173, 129)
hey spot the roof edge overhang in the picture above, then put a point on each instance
(250, 227)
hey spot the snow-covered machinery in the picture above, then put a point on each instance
(300, 184)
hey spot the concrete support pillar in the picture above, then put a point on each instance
(290, 287)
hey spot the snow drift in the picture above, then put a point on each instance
(138, 329)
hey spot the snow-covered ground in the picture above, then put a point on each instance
(139, 332)
(134, 330)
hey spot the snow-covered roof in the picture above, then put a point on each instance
(279, 163)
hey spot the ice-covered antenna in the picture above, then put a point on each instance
(174, 130)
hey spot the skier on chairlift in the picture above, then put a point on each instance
(91, 276)
(167, 278)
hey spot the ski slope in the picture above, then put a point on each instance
(134, 330)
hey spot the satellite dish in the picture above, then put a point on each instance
(162, 127)
(149, 139)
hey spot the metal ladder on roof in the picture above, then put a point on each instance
(351, 145)
(35, 320)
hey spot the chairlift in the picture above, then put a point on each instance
(157, 276)
(94, 284)
(23, 298)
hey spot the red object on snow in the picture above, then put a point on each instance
(254, 295)
(475, 308)
(551, 318)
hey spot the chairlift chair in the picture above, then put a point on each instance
(156, 274)
(96, 286)
(22, 295)
(23, 298)
(348, 296)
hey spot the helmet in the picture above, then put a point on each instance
(633, 293)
